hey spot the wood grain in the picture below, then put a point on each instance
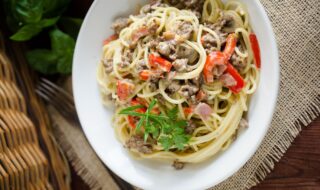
(299, 169)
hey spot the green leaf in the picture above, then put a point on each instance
(26, 32)
(140, 123)
(62, 45)
(30, 30)
(180, 123)
(180, 141)
(43, 60)
(65, 64)
(173, 113)
(48, 22)
(166, 142)
(70, 26)
(28, 11)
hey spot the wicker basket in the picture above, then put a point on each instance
(29, 156)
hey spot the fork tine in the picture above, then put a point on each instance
(54, 86)
(60, 99)
(52, 100)
(57, 94)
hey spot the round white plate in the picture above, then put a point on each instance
(96, 119)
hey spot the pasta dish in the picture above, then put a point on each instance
(180, 74)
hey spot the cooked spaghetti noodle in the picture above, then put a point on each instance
(206, 65)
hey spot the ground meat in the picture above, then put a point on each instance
(164, 48)
(228, 80)
(137, 142)
(153, 86)
(243, 124)
(126, 59)
(153, 44)
(120, 24)
(180, 65)
(238, 62)
(218, 70)
(188, 90)
(198, 81)
(210, 42)
(223, 21)
(183, 29)
(184, 51)
(108, 65)
(173, 87)
(153, 27)
(141, 65)
(178, 165)
(193, 5)
(190, 128)
(124, 64)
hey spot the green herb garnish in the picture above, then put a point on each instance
(167, 129)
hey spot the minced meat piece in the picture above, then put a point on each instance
(178, 165)
(188, 91)
(180, 65)
(108, 65)
(137, 142)
(119, 24)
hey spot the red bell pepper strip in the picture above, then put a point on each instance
(214, 58)
(187, 110)
(145, 75)
(237, 77)
(110, 39)
(132, 121)
(124, 89)
(256, 49)
(231, 43)
(158, 62)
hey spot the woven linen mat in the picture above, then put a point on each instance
(297, 28)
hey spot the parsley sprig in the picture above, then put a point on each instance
(167, 129)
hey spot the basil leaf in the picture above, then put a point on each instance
(30, 30)
(43, 60)
(65, 63)
(48, 22)
(26, 32)
(28, 11)
(62, 45)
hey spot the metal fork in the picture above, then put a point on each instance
(61, 100)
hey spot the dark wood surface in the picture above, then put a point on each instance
(299, 169)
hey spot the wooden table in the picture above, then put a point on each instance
(299, 168)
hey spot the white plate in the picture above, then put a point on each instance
(96, 119)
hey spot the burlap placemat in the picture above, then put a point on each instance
(296, 25)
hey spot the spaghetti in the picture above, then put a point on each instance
(203, 66)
